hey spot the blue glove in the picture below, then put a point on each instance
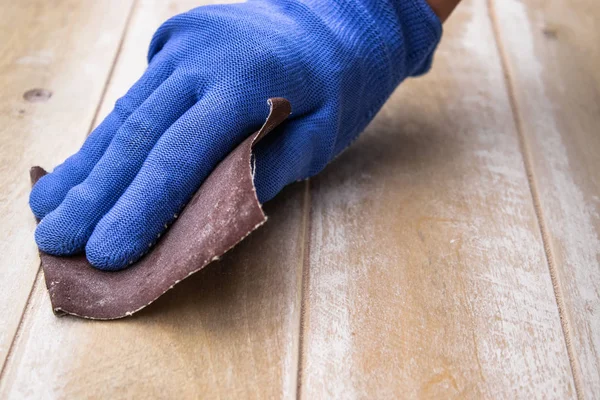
(210, 73)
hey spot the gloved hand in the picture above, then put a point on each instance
(210, 73)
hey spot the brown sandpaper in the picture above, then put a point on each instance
(223, 211)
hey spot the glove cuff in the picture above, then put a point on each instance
(417, 34)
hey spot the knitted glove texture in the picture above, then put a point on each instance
(210, 73)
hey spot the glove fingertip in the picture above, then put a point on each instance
(42, 198)
(53, 237)
(109, 250)
(102, 260)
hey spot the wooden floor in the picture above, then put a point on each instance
(452, 252)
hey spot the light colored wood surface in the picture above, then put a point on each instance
(68, 48)
(414, 266)
(553, 58)
(428, 277)
(231, 331)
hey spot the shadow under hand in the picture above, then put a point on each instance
(404, 148)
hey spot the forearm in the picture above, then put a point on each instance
(443, 8)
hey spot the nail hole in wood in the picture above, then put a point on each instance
(550, 33)
(37, 95)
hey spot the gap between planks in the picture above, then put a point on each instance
(113, 66)
(537, 205)
(34, 286)
(303, 280)
(17, 334)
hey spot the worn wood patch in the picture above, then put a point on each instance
(428, 277)
(552, 56)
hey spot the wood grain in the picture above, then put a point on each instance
(231, 331)
(553, 59)
(428, 277)
(453, 250)
(51, 53)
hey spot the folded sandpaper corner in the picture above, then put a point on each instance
(223, 211)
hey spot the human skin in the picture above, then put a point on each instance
(443, 8)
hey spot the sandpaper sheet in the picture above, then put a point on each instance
(222, 212)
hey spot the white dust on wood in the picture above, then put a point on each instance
(571, 217)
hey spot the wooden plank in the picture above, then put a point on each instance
(66, 48)
(428, 277)
(229, 332)
(553, 60)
